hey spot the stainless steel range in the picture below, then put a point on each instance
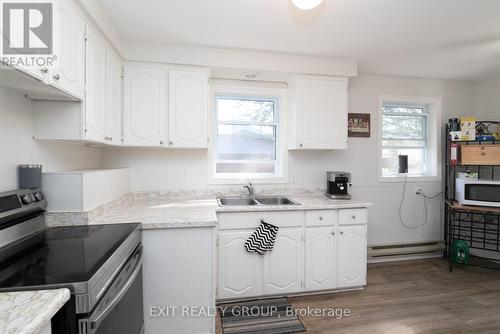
(100, 264)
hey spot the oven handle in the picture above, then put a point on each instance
(96, 322)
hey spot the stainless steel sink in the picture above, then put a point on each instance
(260, 200)
(275, 200)
(236, 201)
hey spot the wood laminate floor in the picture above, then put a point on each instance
(411, 297)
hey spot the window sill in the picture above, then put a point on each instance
(410, 179)
(216, 181)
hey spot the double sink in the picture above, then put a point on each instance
(257, 200)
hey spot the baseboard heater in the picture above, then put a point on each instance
(404, 249)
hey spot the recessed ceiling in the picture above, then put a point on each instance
(446, 39)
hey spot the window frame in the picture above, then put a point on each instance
(247, 91)
(432, 106)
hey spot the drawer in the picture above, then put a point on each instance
(321, 217)
(352, 216)
(240, 220)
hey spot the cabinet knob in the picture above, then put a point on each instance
(353, 217)
(161, 142)
(170, 143)
(333, 233)
(44, 70)
(341, 232)
(110, 138)
(57, 76)
(320, 217)
(300, 145)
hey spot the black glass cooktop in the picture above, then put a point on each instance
(61, 255)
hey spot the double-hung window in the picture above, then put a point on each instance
(409, 128)
(247, 137)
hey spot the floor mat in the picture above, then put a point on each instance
(267, 316)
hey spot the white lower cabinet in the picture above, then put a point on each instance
(178, 275)
(239, 271)
(312, 252)
(352, 256)
(320, 250)
(284, 265)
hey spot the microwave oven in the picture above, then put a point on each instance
(477, 192)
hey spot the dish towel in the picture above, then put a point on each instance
(262, 240)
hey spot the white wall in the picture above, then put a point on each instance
(18, 147)
(488, 99)
(160, 169)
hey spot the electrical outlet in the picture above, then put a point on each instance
(185, 177)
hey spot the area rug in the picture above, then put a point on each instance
(266, 316)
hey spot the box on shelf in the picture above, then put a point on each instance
(480, 155)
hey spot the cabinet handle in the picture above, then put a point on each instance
(320, 218)
(170, 143)
(161, 142)
(57, 76)
(44, 70)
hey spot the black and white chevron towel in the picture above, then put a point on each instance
(262, 240)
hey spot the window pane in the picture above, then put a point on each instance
(241, 110)
(416, 161)
(248, 167)
(403, 127)
(246, 142)
(404, 110)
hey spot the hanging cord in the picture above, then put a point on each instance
(425, 197)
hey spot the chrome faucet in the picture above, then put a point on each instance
(250, 188)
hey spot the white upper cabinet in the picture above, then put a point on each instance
(321, 255)
(114, 99)
(188, 103)
(69, 74)
(317, 113)
(144, 105)
(352, 268)
(95, 96)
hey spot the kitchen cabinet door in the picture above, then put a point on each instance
(95, 97)
(69, 75)
(319, 113)
(144, 106)
(240, 272)
(114, 99)
(188, 108)
(320, 258)
(351, 256)
(284, 266)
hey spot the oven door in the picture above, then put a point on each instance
(121, 308)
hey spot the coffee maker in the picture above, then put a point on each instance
(337, 185)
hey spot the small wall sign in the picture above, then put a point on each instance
(358, 125)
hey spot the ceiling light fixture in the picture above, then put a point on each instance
(307, 4)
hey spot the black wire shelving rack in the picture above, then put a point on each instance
(477, 226)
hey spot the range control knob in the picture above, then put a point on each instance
(38, 196)
(26, 199)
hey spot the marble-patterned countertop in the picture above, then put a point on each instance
(162, 213)
(28, 312)
(317, 202)
(156, 213)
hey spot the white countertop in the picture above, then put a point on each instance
(174, 213)
(28, 312)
